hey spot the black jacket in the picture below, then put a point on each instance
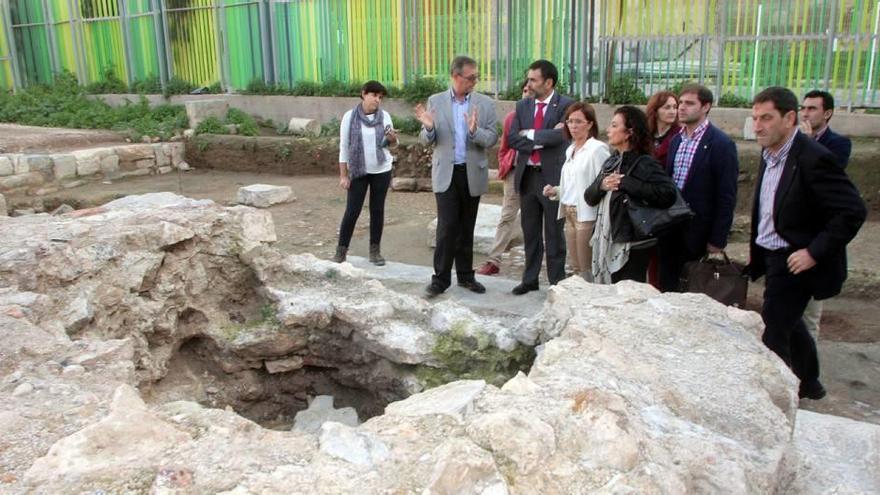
(644, 179)
(816, 207)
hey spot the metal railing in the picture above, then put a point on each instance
(735, 47)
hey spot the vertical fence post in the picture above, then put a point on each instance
(721, 37)
(603, 49)
(222, 43)
(704, 41)
(272, 36)
(126, 41)
(160, 42)
(76, 36)
(265, 39)
(167, 39)
(591, 45)
(832, 40)
(509, 46)
(6, 19)
(50, 34)
(404, 29)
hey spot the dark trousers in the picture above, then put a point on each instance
(636, 268)
(357, 192)
(456, 217)
(672, 254)
(538, 214)
(785, 298)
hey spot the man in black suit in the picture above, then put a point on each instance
(538, 138)
(704, 164)
(816, 112)
(805, 212)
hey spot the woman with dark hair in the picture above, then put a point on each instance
(662, 112)
(365, 162)
(583, 161)
(630, 173)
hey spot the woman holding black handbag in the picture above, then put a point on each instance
(630, 173)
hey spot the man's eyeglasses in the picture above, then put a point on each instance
(471, 78)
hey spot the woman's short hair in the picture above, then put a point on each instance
(636, 122)
(654, 104)
(374, 87)
(588, 111)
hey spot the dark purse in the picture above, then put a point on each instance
(652, 222)
(722, 280)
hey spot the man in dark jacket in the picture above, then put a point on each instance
(816, 113)
(805, 212)
(703, 163)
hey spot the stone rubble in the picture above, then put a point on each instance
(108, 313)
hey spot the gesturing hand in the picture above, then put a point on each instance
(472, 122)
(425, 117)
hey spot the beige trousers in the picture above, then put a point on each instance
(577, 241)
(506, 231)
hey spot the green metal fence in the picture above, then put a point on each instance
(734, 46)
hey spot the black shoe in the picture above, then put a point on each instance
(814, 391)
(472, 285)
(524, 288)
(434, 289)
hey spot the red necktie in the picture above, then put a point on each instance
(539, 122)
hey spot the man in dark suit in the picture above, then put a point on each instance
(703, 163)
(538, 138)
(805, 212)
(816, 112)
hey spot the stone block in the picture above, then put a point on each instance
(64, 166)
(89, 161)
(304, 127)
(145, 164)
(163, 159)
(321, 411)
(30, 179)
(131, 154)
(166, 169)
(405, 184)
(37, 163)
(199, 110)
(6, 166)
(3, 211)
(110, 163)
(176, 150)
(264, 195)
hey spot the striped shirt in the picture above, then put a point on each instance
(768, 238)
(687, 150)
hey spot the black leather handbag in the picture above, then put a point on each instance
(722, 280)
(651, 222)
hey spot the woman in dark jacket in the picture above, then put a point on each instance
(631, 172)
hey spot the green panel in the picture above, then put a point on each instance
(31, 42)
(244, 42)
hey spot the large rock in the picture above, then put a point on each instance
(632, 391)
(304, 127)
(93, 160)
(199, 110)
(484, 231)
(321, 411)
(3, 208)
(264, 195)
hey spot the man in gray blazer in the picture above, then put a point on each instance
(536, 134)
(462, 125)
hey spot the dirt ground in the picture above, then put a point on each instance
(850, 336)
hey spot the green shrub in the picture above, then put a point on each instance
(108, 84)
(335, 87)
(178, 86)
(407, 125)
(305, 88)
(331, 128)
(421, 88)
(259, 87)
(215, 88)
(247, 126)
(733, 101)
(65, 104)
(513, 93)
(623, 91)
(211, 125)
(149, 86)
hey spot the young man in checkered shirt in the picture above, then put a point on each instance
(703, 163)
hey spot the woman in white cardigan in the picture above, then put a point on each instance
(583, 162)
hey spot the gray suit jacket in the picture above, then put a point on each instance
(477, 146)
(553, 141)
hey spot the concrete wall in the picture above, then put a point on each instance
(281, 109)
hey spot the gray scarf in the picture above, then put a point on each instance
(357, 166)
